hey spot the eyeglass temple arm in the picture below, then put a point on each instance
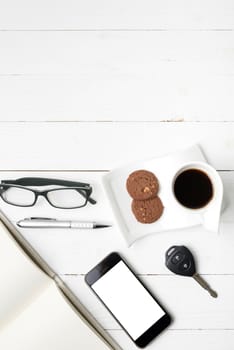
(40, 181)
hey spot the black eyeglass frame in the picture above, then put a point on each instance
(84, 189)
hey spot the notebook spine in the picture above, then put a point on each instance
(84, 314)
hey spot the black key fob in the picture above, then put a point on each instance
(180, 260)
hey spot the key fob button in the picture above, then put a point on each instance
(177, 258)
(185, 265)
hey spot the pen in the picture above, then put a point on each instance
(37, 222)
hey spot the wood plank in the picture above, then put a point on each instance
(190, 305)
(75, 252)
(106, 14)
(117, 97)
(119, 53)
(70, 146)
(184, 339)
(116, 76)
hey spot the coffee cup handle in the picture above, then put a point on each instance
(211, 220)
(211, 217)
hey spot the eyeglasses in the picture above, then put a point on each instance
(74, 195)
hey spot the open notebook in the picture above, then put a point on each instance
(37, 310)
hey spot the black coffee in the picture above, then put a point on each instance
(193, 188)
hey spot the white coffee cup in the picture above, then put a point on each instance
(211, 211)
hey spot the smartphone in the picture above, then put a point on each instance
(129, 301)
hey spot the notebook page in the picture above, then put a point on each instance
(49, 324)
(21, 280)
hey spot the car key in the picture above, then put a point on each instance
(180, 260)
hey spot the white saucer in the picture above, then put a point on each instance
(174, 215)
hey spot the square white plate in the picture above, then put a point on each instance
(174, 216)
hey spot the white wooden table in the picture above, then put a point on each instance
(86, 86)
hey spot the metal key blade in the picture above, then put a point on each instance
(204, 285)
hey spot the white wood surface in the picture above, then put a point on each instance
(103, 146)
(111, 14)
(171, 75)
(86, 86)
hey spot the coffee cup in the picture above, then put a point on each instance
(197, 187)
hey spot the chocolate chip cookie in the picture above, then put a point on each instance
(147, 211)
(142, 184)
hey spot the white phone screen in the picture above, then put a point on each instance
(128, 300)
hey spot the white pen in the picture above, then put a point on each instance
(37, 222)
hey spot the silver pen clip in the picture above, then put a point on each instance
(40, 218)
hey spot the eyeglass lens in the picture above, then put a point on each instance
(18, 196)
(67, 198)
